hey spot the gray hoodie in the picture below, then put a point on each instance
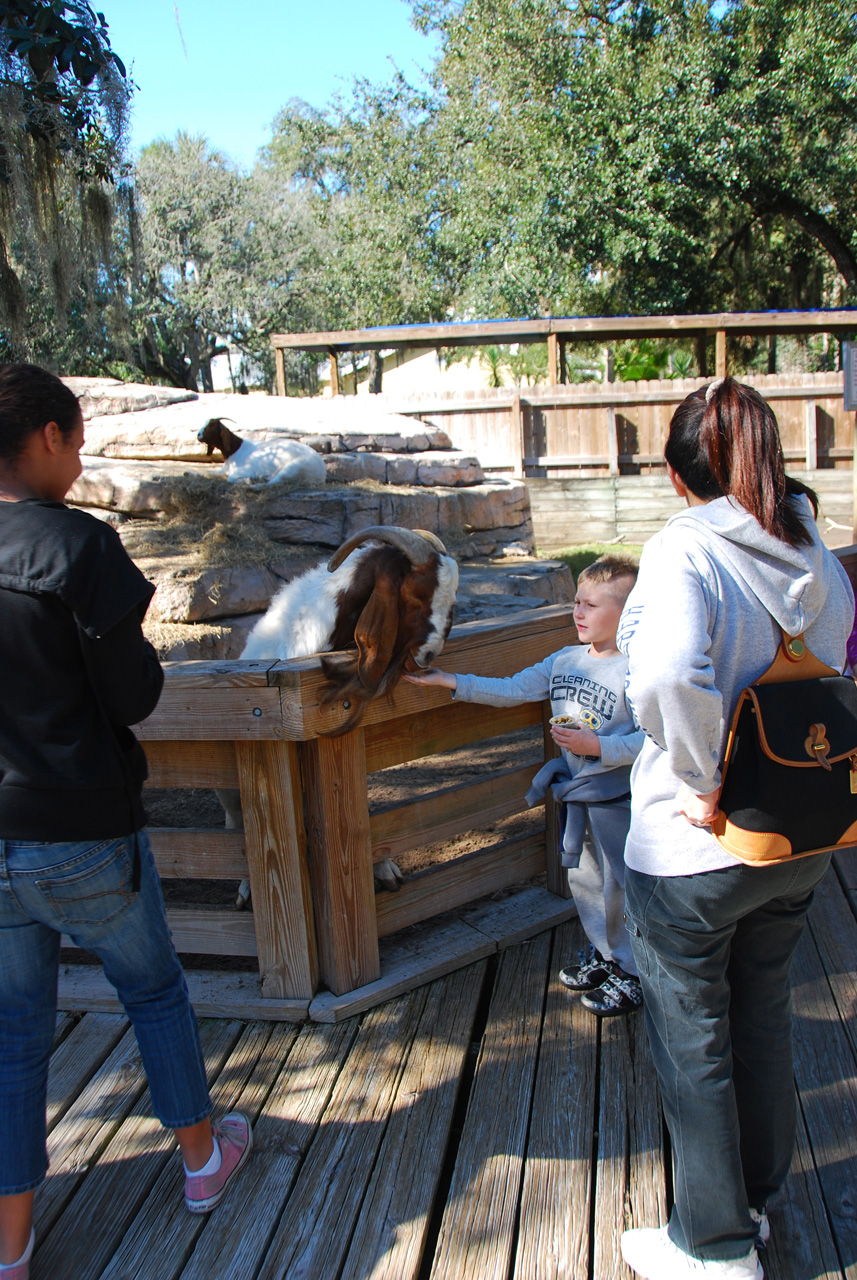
(699, 626)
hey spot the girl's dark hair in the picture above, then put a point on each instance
(30, 398)
(724, 439)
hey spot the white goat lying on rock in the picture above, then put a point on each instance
(263, 460)
(386, 597)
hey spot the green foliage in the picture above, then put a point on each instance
(585, 553)
(63, 97)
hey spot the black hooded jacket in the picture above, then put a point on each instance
(75, 671)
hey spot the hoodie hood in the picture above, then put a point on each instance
(791, 582)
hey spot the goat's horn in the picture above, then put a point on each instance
(416, 543)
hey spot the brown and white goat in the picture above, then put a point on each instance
(385, 598)
(263, 461)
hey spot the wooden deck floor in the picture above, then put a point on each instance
(481, 1127)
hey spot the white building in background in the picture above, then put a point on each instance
(412, 373)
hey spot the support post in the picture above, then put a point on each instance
(280, 362)
(612, 441)
(720, 354)
(811, 436)
(556, 879)
(553, 359)
(517, 437)
(269, 780)
(340, 861)
(335, 389)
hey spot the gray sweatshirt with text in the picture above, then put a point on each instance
(700, 625)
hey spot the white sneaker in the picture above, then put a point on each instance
(650, 1252)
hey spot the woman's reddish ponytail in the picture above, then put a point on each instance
(725, 440)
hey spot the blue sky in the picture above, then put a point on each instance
(225, 69)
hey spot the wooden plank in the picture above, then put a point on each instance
(553, 1241)
(630, 1179)
(283, 1134)
(479, 332)
(477, 1231)
(271, 803)
(213, 994)
(801, 1243)
(451, 884)
(340, 858)
(203, 673)
(86, 1128)
(90, 1230)
(219, 931)
(335, 388)
(280, 365)
(516, 435)
(184, 765)
(391, 1230)
(199, 853)
(612, 442)
(489, 647)
(313, 1234)
(553, 359)
(720, 354)
(834, 931)
(441, 729)
(244, 1085)
(519, 916)
(77, 1059)
(441, 815)
(811, 420)
(408, 961)
(826, 1075)
(219, 714)
(65, 1024)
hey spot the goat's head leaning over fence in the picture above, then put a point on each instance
(385, 598)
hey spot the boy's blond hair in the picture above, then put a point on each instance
(619, 569)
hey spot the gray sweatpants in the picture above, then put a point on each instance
(598, 883)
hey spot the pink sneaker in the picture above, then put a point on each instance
(19, 1270)
(235, 1138)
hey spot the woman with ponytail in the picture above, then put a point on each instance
(713, 938)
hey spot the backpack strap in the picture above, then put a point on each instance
(795, 661)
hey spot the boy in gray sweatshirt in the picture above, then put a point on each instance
(599, 740)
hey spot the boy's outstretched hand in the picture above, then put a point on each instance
(431, 676)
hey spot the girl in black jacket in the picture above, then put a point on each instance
(75, 672)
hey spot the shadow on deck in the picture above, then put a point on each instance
(481, 1127)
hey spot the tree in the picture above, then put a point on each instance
(227, 258)
(624, 155)
(63, 98)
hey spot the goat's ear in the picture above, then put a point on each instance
(375, 633)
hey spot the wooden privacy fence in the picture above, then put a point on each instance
(620, 428)
(309, 841)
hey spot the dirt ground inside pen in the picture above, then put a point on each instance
(387, 789)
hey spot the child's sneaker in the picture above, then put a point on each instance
(650, 1252)
(235, 1138)
(589, 972)
(621, 993)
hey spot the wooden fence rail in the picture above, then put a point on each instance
(619, 428)
(309, 842)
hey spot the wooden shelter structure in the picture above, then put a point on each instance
(559, 331)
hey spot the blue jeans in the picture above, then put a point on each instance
(714, 952)
(105, 895)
